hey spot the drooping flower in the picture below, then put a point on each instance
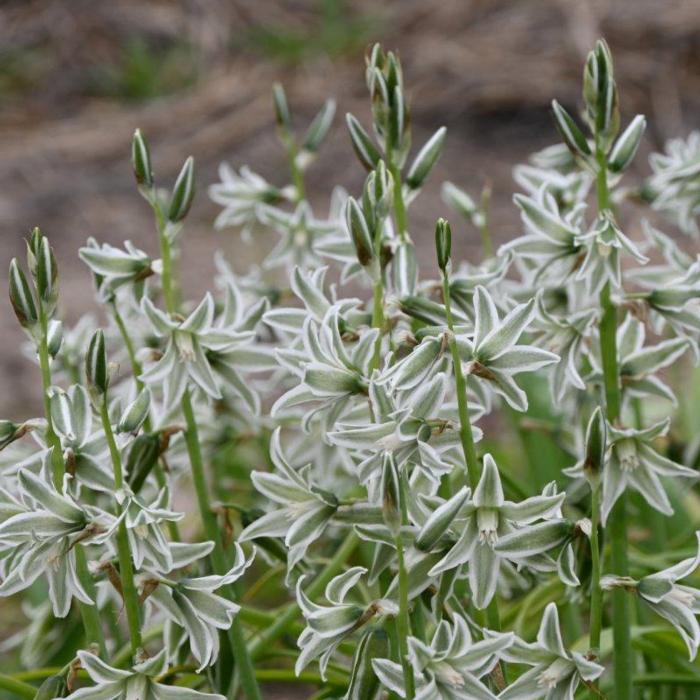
(479, 524)
(302, 510)
(493, 355)
(556, 672)
(328, 625)
(193, 604)
(139, 682)
(184, 359)
(450, 666)
(678, 603)
(632, 461)
(39, 534)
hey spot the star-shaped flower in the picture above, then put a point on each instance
(556, 672)
(479, 523)
(184, 359)
(137, 683)
(449, 668)
(303, 510)
(678, 603)
(492, 354)
(631, 460)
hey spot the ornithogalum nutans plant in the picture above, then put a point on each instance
(367, 479)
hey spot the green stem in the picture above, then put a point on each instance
(596, 619)
(166, 260)
(51, 438)
(297, 175)
(244, 664)
(18, 688)
(617, 524)
(465, 427)
(403, 629)
(126, 568)
(282, 624)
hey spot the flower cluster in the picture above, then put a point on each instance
(426, 467)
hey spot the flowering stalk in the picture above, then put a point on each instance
(466, 436)
(89, 613)
(618, 521)
(126, 568)
(403, 625)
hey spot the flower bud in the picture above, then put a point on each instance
(443, 243)
(626, 146)
(391, 494)
(359, 231)
(21, 297)
(319, 127)
(183, 192)
(54, 337)
(9, 432)
(459, 200)
(42, 265)
(569, 131)
(378, 192)
(96, 363)
(426, 159)
(135, 413)
(141, 161)
(600, 93)
(53, 687)
(282, 114)
(365, 150)
(143, 455)
(596, 437)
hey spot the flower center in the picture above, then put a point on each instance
(185, 346)
(447, 675)
(627, 453)
(554, 673)
(487, 522)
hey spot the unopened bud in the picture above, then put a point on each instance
(21, 297)
(443, 243)
(183, 192)
(141, 161)
(96, 368)
(135, 413)
(359, 231)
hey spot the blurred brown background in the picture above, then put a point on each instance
(77, 76)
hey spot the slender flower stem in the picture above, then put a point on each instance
(52, 439)
(596, 622)
(465, 427)
(297, 174)
(617, 523)
(126, 568)
(403, 623)
(89, 613)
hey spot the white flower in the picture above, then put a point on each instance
(188, 340)
(137, 683)
(556, 672)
